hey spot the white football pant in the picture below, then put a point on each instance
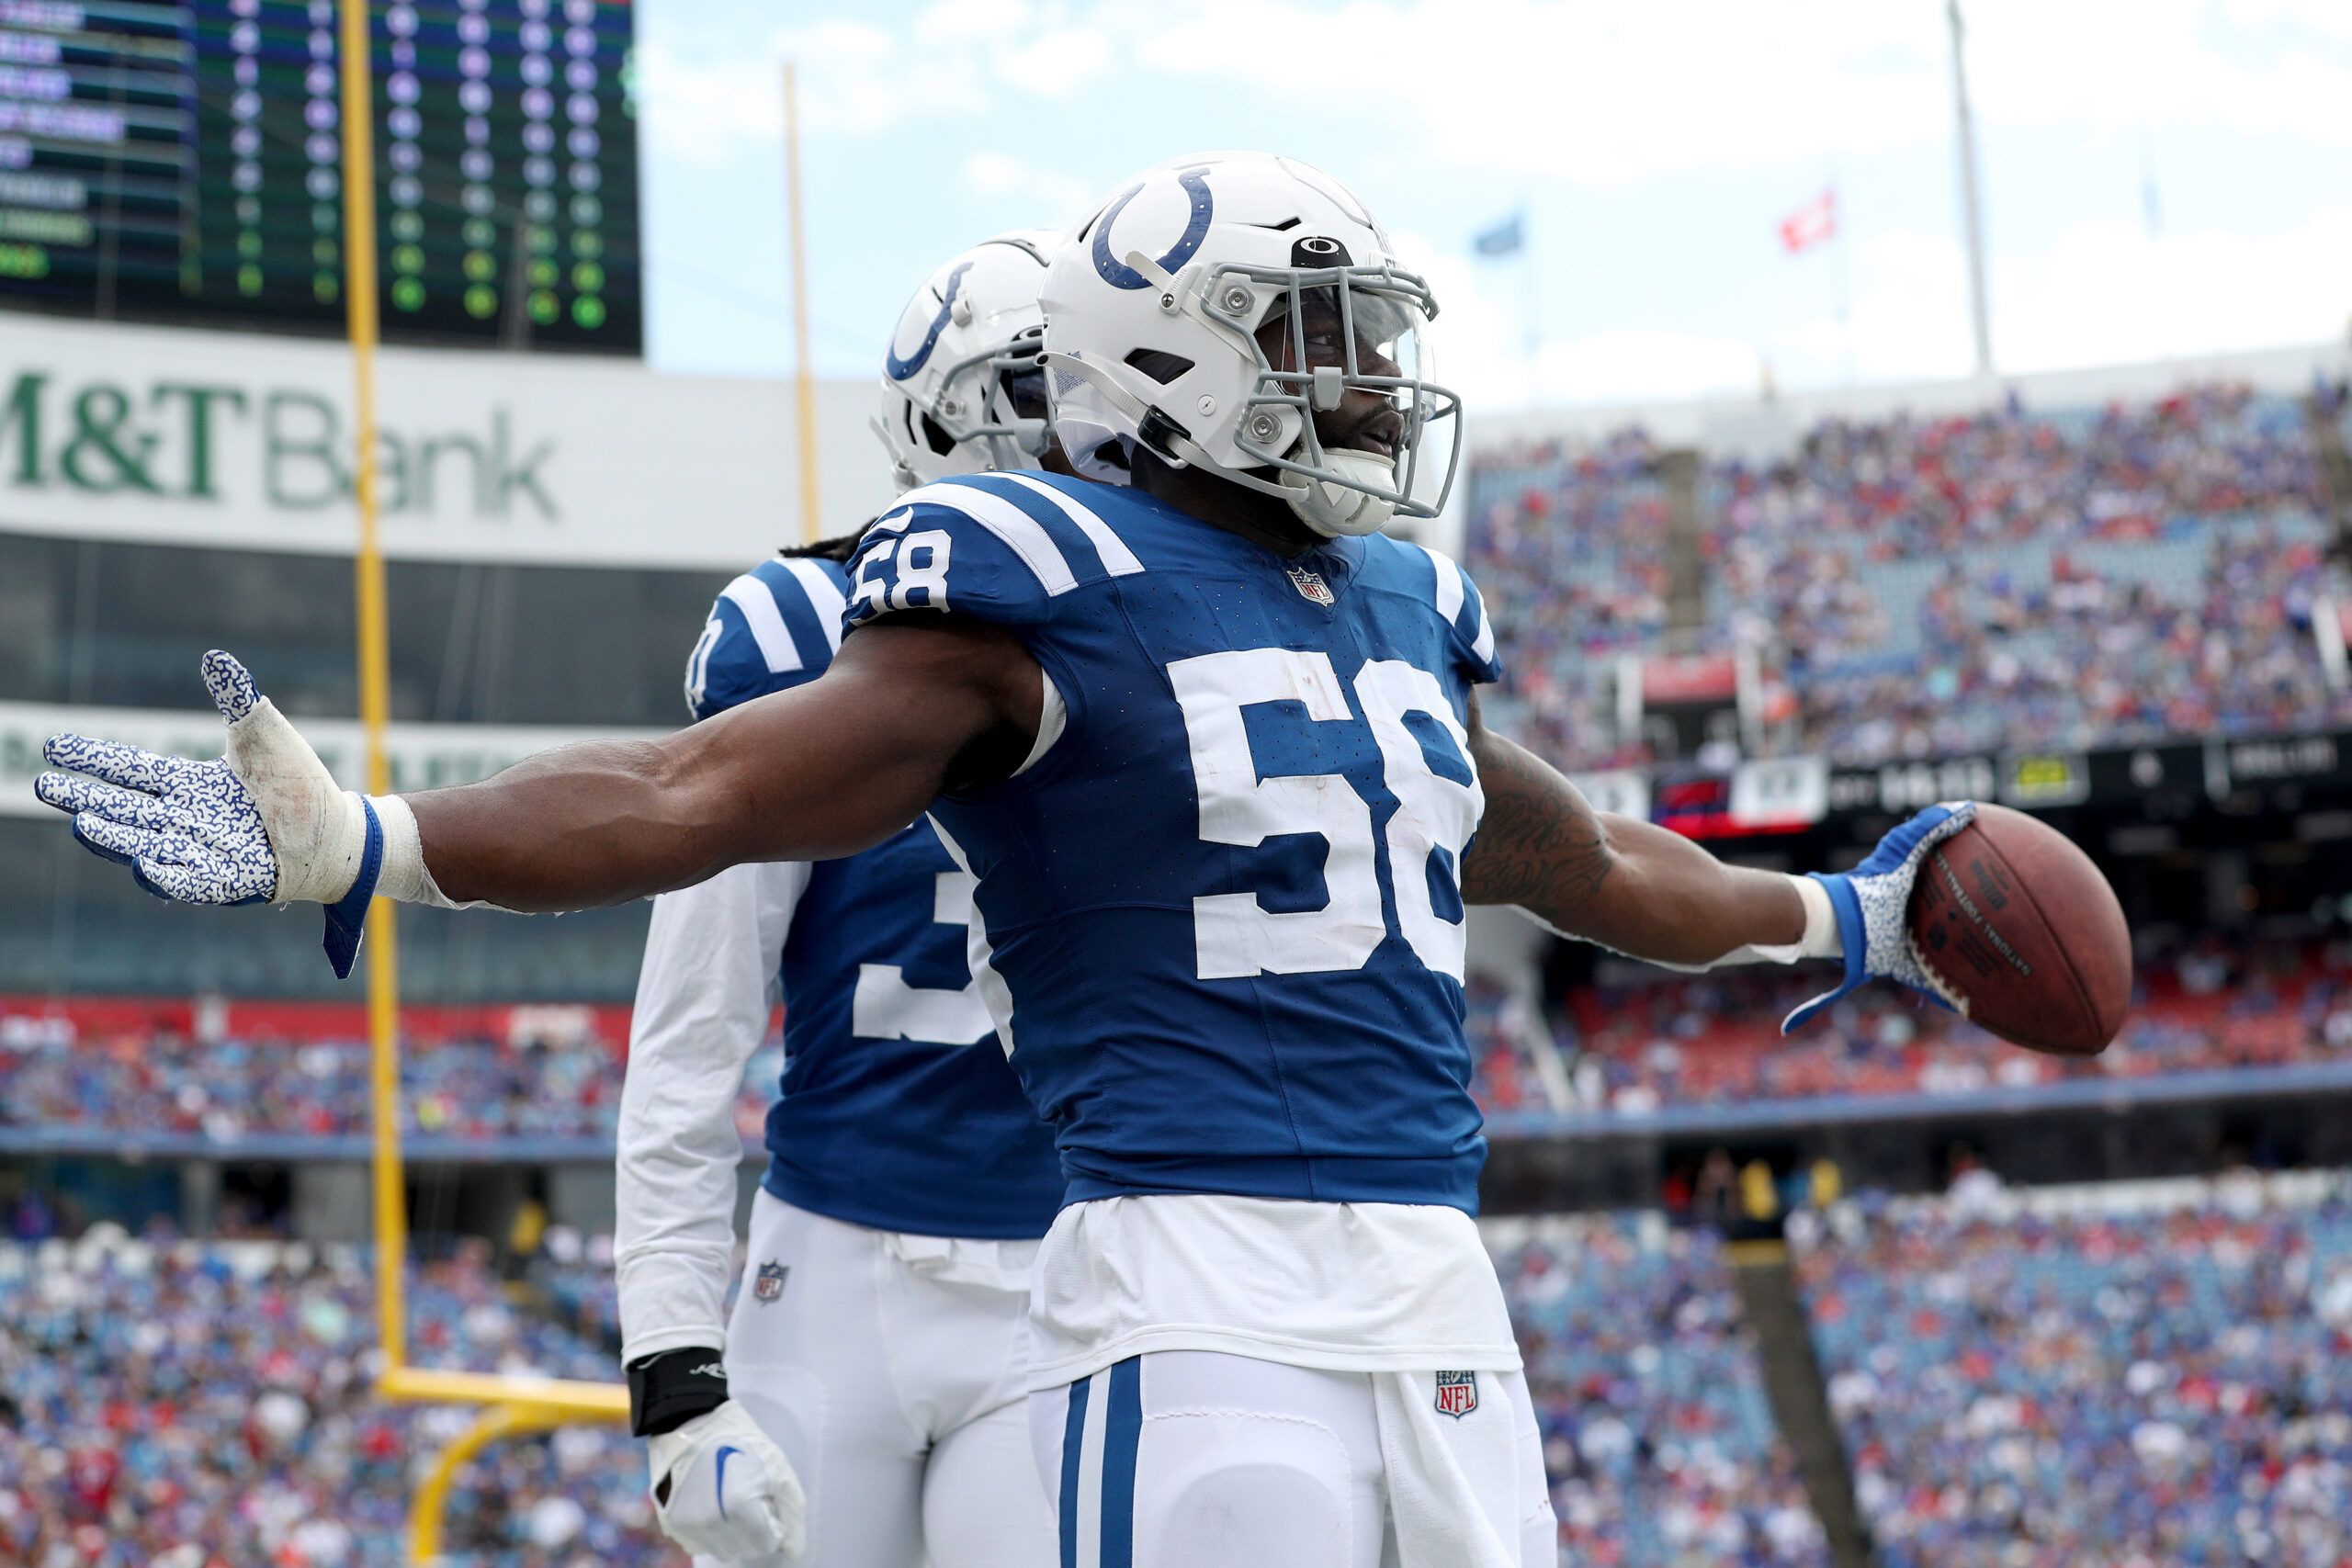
(1196, 1458)
(889, 1370)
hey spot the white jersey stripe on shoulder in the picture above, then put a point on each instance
(1485, 645)
(750, 595)
(1022, 534)
(698, 665)
(1117, 560)
(823, 597)
(1449, 585)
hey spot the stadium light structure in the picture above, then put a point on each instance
(1971, 207)
(514, 1405)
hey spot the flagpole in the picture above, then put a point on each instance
(1970, 209)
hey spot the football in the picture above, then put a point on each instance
(2024, 934)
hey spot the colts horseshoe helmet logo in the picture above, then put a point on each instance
(1118, 274)
(900, 370)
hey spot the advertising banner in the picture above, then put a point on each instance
(241, 440)
(422, 756)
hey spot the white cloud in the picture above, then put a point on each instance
(1482, 349)
(1594, 95)
(1059, 200)
(707, 90)
(1059, 62)
(2105, 293)
(1605, 94)
(2101, 294)
(1591, 94)
(703, 96)
(2287, 67)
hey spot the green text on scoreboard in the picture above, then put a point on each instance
(166, 160)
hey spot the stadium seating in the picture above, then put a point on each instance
(1636, 1042)
(1713, 1040)
(228, 1091)
(1656, 1434)
(1503, 1073)
(166, 1404)
(1928, 587)
(2134, 1374)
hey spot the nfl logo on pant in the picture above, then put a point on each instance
(1457, 1394)
(769, 1284)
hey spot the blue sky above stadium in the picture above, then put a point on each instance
(2162, 176)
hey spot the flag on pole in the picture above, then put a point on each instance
(1811, 224)
(1505, 237)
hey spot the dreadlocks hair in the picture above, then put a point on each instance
(840, 548)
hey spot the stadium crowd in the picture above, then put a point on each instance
(2137, 1380)
(153, 1080)
(1635, 1043)
(169, 1403)
(1656, 1435)
(1639, 1041)
(1930, 586)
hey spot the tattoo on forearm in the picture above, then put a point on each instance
(1540, 843)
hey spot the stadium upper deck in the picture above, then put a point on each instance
(1918, 588)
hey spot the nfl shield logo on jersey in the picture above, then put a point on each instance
(769, 1285)
(1311, 586)
(1457, 1394)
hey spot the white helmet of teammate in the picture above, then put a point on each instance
(963, 388)
(1155, 314)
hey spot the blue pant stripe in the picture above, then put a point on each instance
(1122, 1430)
(1073, 1445)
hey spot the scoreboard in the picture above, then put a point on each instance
(183, 162)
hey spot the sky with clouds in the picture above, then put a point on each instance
(2161, 176)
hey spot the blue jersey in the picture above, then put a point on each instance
(898, 1110)
(1222, 909)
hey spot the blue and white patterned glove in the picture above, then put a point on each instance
(264, 824)
(1873, 902)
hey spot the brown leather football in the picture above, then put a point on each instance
(2024, 934)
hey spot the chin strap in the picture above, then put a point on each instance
(1339, 510)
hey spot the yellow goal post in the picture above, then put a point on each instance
(512, 1405)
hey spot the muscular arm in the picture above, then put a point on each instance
(827, 768)
(1624, 884)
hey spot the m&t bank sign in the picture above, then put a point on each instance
(177, 439)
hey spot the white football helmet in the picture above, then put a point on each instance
(963, 388)
(1152, 312)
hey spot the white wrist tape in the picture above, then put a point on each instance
(1820, 939)
(317, 832)
(404, 877)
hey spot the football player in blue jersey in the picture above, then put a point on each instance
(876, 1336)
(1209, 744)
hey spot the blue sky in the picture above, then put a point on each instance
(1655, 147)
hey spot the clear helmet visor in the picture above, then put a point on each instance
(1362, 328)
(1346, 351)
